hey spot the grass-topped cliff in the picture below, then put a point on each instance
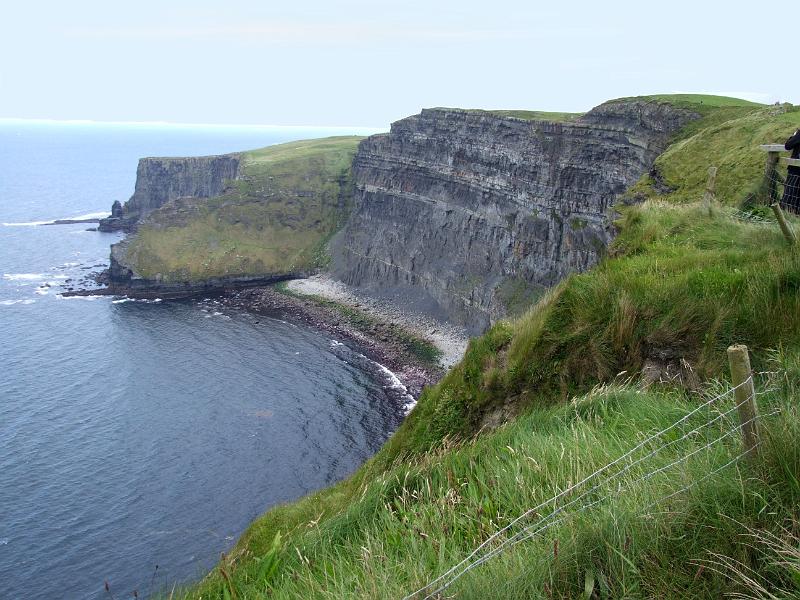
(275, 217)
(538, 403)
(727, 137)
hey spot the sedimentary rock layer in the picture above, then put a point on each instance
(466, 214)
(159, 180)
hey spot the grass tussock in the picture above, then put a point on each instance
(680, 287)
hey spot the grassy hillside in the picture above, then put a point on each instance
(728, 138)
(276, 218)
(538, 403)
(390, 530)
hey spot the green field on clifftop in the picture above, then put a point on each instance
(727, 138)
(540, 402)
(276, 218)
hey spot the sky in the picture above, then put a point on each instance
(368, 63)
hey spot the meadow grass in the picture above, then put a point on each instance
(727, 138)
(695, 100)
(276, 218)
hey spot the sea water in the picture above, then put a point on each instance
(138, 439)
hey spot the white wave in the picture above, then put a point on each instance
(397, 385)
(92, 297)
(121, 300)
(23, 276)
(4, 542)
(42, 291)
(392, 381)
(102, 214)
(13, 302)
(91, 215)
(28, 224)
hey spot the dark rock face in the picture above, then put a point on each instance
(460, 213)
(159, 180)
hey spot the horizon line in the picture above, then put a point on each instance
(44, 121)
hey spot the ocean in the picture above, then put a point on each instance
(138, 439)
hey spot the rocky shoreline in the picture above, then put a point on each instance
(383, 341)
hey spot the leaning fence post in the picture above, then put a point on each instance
(787, 230)
(711, 189)
(745, 395)
(771, 171)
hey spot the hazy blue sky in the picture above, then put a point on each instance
(353, 62)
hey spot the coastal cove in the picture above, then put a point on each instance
(275, 354)
(136, 433)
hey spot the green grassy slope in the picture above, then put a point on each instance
(277, 218)
(727, 138)
(388, 531)
(679, 285)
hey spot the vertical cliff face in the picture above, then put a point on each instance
(463, 214)
(159, 180)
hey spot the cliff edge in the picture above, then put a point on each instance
(469, 215)
(246, 219)
(159, 180)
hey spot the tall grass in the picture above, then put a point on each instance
(679, 288)
(384, 534)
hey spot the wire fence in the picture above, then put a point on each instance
(613, 472)
(779, 186)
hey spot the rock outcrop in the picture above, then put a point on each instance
(159, 180)
(197, 229)
(462, 214)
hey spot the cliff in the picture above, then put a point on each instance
(198, 229)
(469, 214)
(677, 288)
(159, 180)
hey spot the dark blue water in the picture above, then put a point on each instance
(135, 434)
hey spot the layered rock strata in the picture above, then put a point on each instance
(466, 215)
(159, 180)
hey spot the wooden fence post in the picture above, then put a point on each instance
(711, 189)
(771, 172)
(787, 230)
(745, 394)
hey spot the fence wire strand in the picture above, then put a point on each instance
(519, 537)
(544, 523)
